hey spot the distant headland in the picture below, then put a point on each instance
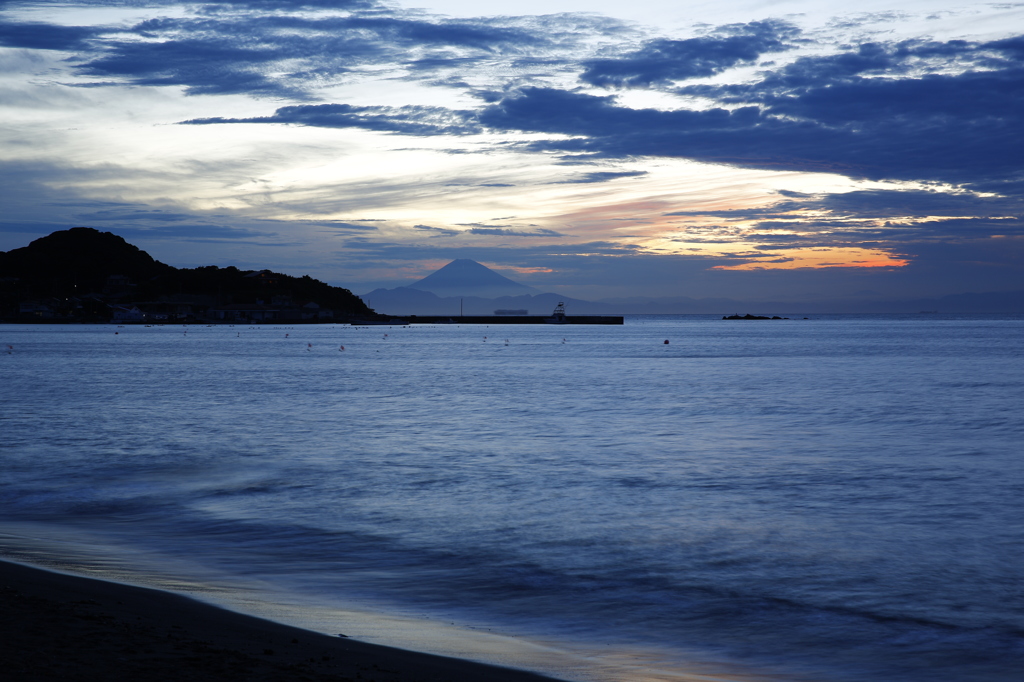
(84, 275)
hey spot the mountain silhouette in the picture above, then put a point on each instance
(84, 263)
(465, 277)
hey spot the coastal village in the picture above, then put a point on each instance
(117, 302)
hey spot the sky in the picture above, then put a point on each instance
(784, 149)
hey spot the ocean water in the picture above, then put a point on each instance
(834, 499)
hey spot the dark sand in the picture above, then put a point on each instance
(60, 627)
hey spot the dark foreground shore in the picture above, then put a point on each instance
(60, 627)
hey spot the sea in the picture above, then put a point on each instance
(826, 498)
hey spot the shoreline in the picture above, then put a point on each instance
(55, 626)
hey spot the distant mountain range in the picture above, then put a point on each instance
(474, 289)
(467, 287)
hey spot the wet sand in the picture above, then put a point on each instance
(60, 627)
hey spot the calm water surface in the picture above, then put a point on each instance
(837, 499)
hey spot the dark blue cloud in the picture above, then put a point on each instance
(202, 66)
(410, 120)
(871, 58)
(602, 176)
(664, 61)
(917, 203)
(491, 230)
(1011, 49)
(834, 91)
(278, 5)
(962, 128)
(512, 232)
(39, 36)
(200, 232)
(437, 231)
(877, 204)
(136, 215)
(477, 35)
(345, 227)
(602, 127)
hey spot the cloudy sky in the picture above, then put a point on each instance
(792, 149)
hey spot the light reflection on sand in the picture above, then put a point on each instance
(70, 550)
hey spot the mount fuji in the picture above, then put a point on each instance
(465, 277)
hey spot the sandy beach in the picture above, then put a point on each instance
(60, 627)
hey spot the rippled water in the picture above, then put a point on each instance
(839, 498)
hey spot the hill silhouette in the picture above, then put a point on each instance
(79, 268)
(79, 260)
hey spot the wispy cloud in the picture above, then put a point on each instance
(513, 232)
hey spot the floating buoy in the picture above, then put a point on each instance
(341, 347)
(666, 342)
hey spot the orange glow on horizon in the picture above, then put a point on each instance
(518, 268)
(845, 257)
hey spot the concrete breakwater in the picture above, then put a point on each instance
(504, 319)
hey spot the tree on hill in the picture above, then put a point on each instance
(231, 285)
